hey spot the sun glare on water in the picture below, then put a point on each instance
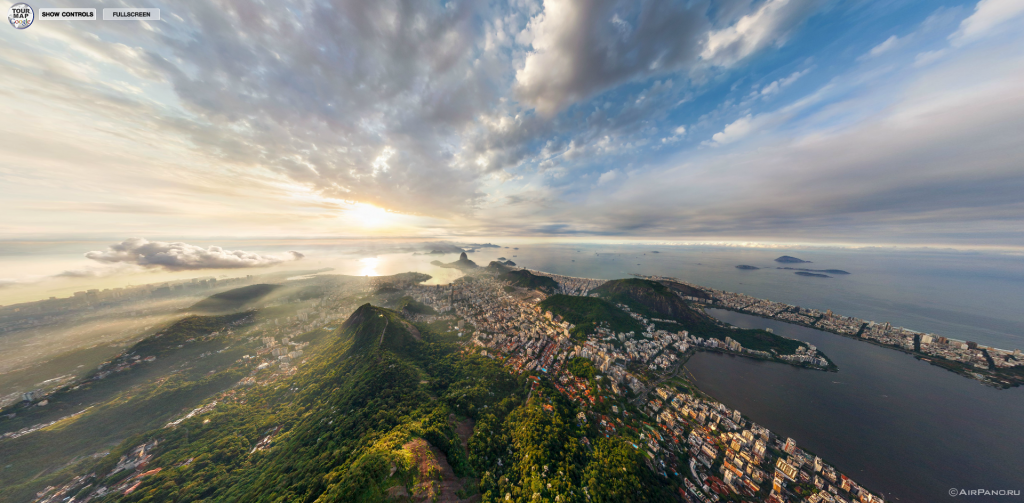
(369, 266)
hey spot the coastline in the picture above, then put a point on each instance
(994, 377)
(952, 366)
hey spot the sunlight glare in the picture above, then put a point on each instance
(369, 266)
(368, 215)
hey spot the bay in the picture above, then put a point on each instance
(895, 424)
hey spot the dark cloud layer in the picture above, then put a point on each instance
(183, 256)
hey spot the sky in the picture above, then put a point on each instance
(813, 121)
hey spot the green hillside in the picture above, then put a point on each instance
(522, 278)
(371, 327)
(656, 300)
(526, 279)
(233, 300)
(651, 299)
(587, 313)
(410, 305)
(376, 416)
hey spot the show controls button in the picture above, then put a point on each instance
(66, 14)
(131, 14)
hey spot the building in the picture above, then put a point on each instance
(790, 446)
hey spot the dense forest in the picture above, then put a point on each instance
(523, 278)
(587, 313)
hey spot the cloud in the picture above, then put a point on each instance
(581, 48)
(513, 117)
(736, 130)
(182, 256)
(770, 24)
(677, 134)
(608, 176)
(884, 47)
(924, 155)
(782, 83)
(927, 57)
(988, 15)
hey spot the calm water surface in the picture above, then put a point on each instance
(892, 423)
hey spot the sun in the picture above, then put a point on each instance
(368, 215)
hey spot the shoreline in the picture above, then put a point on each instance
(993, 376)
(952, 366)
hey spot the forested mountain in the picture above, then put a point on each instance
(385, 412)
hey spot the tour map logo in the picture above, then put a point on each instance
(21, 15)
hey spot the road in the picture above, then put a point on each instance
(638, 401)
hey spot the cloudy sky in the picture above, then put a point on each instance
(887, 122)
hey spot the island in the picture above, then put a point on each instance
(744, 267)
(786, 259)
(827, 271)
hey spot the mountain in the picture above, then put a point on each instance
(371, 327)
(589, 313)
(786, 259)
(409, 305)
(385, 411)
(234, 300)
(685, 290)
(747, 267)
(652, 299)
(522, 277)
(463, 263)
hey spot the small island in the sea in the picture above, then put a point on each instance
(463, 263)
(829, 271)
(786, 259)
(745, 267)
(811, 274)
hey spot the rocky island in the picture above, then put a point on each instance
(786, 259)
